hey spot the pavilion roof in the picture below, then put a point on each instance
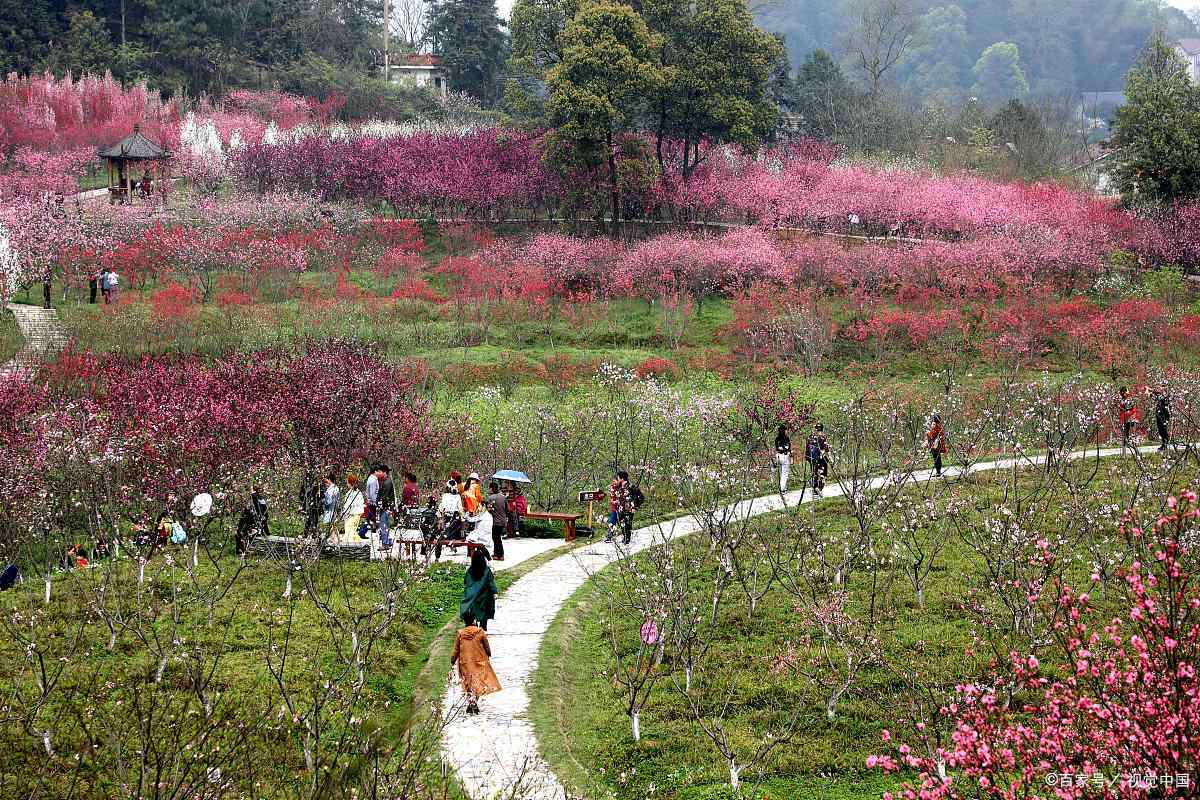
(135, 147)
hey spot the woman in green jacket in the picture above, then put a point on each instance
(479, 590)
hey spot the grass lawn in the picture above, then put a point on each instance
(102, 693)
(11, 340)
(578, 710)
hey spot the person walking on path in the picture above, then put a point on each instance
(479, 591)
(1129, 416)
(620, 513)
(935, 440)
(473, 655)
(497, 504)
(1162, 417)
(783, 457)
(816, 453)
(46, 287)
(354, 505)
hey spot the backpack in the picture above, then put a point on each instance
(178, 534)
(113, 280)
(813, 450)
(636, 497)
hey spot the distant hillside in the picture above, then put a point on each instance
(1064, 45)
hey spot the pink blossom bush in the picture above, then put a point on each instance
(1123, 701)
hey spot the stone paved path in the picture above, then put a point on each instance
(496, 752)
(43, 334)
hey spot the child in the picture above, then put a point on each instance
(472, 653)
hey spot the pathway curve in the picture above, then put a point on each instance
(43, 334)
(496, 752)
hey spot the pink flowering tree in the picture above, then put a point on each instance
(1123, 698)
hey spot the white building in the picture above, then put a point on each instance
(1190, 50)
(418, 69)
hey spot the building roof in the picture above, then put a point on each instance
(416, 60)
(135, 147)
(1190, 46)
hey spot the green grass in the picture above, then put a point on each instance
(11, 340)
(109, 685)
(578, 712)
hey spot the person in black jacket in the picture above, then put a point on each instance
(253, 522)
(1162, 417)
(783, 457)
(386, 504)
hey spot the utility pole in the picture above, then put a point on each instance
(387, 41)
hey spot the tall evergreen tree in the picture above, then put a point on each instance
(467, 34)
(998, 74)
(939, 65)
(26, 27)
(1157, 131)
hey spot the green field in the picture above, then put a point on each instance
(578, 708)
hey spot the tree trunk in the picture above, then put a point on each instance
(612, 187)
(735, 778)
(636, 720)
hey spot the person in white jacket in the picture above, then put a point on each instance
(450, 511)
(481, 534)
(354, 505)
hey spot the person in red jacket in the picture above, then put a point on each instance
(517, 509)
(1129, 416)
(935, 440)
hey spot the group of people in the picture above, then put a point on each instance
(817, 451)
(373, 509)
(106, 282)
(1131, 417)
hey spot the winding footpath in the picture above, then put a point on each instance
(496, 753)
(43, 334)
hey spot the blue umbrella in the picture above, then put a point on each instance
(512, 475)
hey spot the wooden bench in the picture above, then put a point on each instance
(568, 520)
(412, 544)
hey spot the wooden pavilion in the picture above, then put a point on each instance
(123, 156)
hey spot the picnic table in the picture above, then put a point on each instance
(568, 520)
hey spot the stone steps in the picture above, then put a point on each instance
(44, 338)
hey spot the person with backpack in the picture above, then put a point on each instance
(783, 457)
(621, 508)
(935, 440)
(816, 453)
